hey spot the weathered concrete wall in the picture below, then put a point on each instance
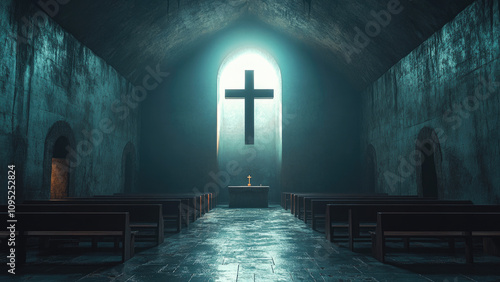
(450, 84)
(320, 120)
(46, 76)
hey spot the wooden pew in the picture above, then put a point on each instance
(93, 225)
(368, 213)
(171, 208)
(190, 204)
(285, 200)
(141, 216)
(201, 202)
(306, 207)
(465, 225)
(298, 200)
(319, 207)
(340, 214)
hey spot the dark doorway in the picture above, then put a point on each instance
(127, 185)
(427, 172)
(128, 168)
(370, 170)
(59, 177)
(429, 175)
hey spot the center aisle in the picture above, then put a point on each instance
(252, 245)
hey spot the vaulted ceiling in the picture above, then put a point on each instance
(131, 34)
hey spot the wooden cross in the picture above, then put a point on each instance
(249, 94)
(249, 177)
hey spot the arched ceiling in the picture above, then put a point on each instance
(131, 34)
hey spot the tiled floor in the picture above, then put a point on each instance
(263, 245)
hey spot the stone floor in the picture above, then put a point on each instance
(260, 245)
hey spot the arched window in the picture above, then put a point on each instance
(259, 155)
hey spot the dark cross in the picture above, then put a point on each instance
(249, 94)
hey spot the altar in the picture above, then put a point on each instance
(248, 196)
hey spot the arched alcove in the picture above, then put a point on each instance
(429, 170)
(128, 168)
(260, 156)
(58, 175)
(371, 174)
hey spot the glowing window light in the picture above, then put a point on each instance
(230, 112)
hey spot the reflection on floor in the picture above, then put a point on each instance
(261, 245)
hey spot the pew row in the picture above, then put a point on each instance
(190, 205)
(172, 209)
(365, 215)
(144, 218)
(285, 200)
(93, 225)
(463, 225)
(303, 205)
(296, 199)
(319, 208)
(309, 211)
(199, 203)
